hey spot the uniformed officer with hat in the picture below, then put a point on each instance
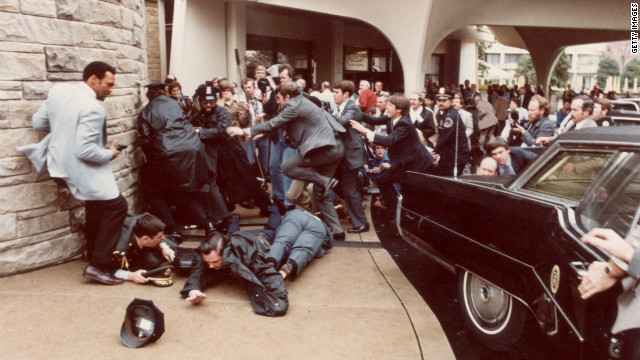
(452, 147)
(143, 248)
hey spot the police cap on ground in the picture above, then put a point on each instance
(143, 323)
(206, 92)
(160, 276)
(444, 94)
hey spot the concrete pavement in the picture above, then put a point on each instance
(354, 303)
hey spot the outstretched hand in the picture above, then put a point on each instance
(196, 296)
(358, 127)
(234, 131)
(611, 242)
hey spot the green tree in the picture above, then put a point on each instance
(482, 68)
(525, 68)
(607, 67)
(632, 70)
(559, 76)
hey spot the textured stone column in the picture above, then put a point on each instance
(43, 42)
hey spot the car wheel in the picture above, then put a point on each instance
(490, 313)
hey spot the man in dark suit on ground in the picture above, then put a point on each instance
(355, 155)
(315, 135)
(510, 161)
(405, 151)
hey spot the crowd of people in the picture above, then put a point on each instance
(208, 153)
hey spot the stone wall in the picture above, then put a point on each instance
(43, 42)
(153, 41)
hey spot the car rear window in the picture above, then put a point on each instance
(614, 202)
(568, 175)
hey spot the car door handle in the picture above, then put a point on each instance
(579, 267)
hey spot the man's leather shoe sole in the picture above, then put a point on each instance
(339, 236)
(361, 229)
(92, 273)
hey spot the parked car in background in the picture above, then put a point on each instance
(514, 241)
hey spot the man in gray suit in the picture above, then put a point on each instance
(313, 132)
(74, 151)
(581, 110)
(354, 155)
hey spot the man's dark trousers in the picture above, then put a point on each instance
(104, 220)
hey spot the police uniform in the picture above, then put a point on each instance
(129, 256)
(450, 123)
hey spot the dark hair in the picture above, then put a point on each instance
(289, 69)
(515, 100)
(374, 144)
(288, 88)
(605, 104)
(97, 68)
(173, 85)
(495, 143)
(345, 86)
(148, 225)
(401, 103)
(214, 242)
(587, 102)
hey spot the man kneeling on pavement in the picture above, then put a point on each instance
(261, 259)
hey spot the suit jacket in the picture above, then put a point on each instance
(308, 126)
(428, 125)
(403, 145)
(486, 115)
(74, 150)
(501, 107)
(355, 155)
(542, 127)
(520, 158)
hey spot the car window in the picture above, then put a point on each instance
(614, 202)
(568, 175)
(624, 106)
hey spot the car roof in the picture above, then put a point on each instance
(609, 134)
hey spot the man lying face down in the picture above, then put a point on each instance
(253, 256)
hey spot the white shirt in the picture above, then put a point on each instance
(415, 115)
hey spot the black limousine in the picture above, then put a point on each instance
(513, 242)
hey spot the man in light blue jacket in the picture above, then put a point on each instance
(75, 152)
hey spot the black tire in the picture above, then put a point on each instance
(492, 315)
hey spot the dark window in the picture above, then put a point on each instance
(568, 175)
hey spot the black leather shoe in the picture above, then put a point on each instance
(360, 229)
(288, 270)
(330, 185)
(339, 236)
(92, 273)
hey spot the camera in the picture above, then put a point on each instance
(121, 147)
(514, 115)
(263, 85)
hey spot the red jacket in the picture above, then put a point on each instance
(366, 100)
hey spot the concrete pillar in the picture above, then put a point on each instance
(468, 62)
(198, 43)
(338, 50)
(236, 29)
(451, 69)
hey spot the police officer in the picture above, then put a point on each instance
(452, 146)
(142, 247)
